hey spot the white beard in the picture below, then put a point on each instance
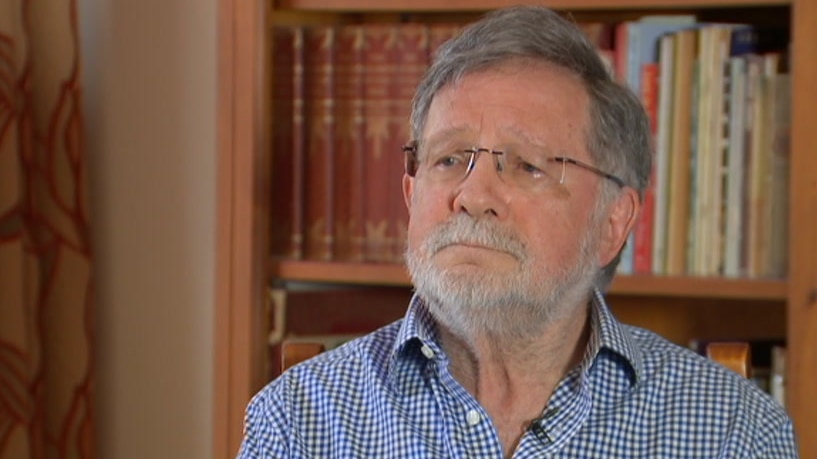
(512, 306)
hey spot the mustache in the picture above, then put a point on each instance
(462, 229)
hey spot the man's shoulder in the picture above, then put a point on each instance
(684, 374)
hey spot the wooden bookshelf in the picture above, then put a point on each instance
(646, 285)
(245, 269)
(478, 5)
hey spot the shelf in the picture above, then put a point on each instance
(340, 273)
(700, 287)
(474, 5)
(639, 285)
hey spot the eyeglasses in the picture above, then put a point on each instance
(528, 172)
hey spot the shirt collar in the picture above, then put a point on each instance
(607, 335)
(418, 327)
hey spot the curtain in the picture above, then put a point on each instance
(46, 282)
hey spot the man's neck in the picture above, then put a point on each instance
(513, 379)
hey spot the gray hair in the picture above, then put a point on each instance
(619, 139)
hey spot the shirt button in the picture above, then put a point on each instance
(427, 351)
(472, 417)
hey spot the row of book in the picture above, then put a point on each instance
(717, 95)
(341, 101)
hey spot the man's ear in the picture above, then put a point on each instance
(617, 224)
(408, 190)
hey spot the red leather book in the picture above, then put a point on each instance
(282, 199)
(379, 71)
(320, 160)
(350, 137)
(411, 63)
(296, 242)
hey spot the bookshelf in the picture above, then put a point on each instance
(673, 305)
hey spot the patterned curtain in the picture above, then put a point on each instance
(46, 282)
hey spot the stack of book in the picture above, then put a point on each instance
(341, 102)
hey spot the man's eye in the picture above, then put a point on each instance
(450, 161)
(529, 168)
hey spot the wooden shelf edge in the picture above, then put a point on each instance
(639, 285)
(340, 273)
(476, 5)
(701, 287)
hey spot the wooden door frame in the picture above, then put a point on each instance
(242, 213)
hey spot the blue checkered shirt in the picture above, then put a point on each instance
(634, 395)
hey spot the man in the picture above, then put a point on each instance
(523, 181)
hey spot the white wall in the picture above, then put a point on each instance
(150, 97)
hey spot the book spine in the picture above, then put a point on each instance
(379, 56)
(736, 112)
(412, 51)
(296, 243)
(779, 141)
(321, 151)
(754, 115)
(350, 139)
(680, 153)
(662, 154)
(642, 263)
(282, 199)
(718, 132)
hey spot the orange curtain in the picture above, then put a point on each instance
(46, 282)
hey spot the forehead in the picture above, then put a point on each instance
(518, 100)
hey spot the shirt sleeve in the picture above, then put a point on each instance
(266, 427)
(781, 444)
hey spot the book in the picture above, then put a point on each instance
(663, 139)
(755, 164)
(350, 137)
(707, 207)
(642, 262)
(319, 75)
(779, 145)
(379, 73)
(680, 152)
(283, 133)
(735, 177)
(412, 51)
(761, 203)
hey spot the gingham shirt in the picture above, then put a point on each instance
(634, 395)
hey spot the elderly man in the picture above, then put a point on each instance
(523, 181)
